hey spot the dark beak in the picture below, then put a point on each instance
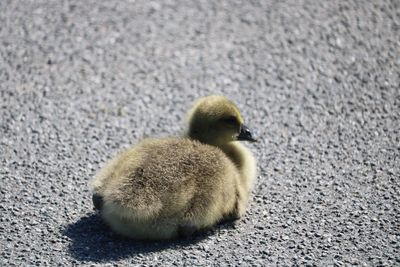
(245, 135)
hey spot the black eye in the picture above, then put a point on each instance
(231, 120)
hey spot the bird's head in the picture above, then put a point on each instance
(216, 120)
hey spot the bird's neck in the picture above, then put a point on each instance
(243, 160)
(234, 153)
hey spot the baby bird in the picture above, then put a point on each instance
(172, 187)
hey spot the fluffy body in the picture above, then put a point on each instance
(167, 187)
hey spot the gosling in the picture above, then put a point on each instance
(173, 187)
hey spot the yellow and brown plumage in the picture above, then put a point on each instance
(167, 187)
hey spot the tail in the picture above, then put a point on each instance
(97, 200)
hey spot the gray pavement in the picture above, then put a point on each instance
(318, 80)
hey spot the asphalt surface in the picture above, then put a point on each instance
(318, 80)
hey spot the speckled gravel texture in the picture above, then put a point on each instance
(317, 80)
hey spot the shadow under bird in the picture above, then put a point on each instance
(172, 187)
